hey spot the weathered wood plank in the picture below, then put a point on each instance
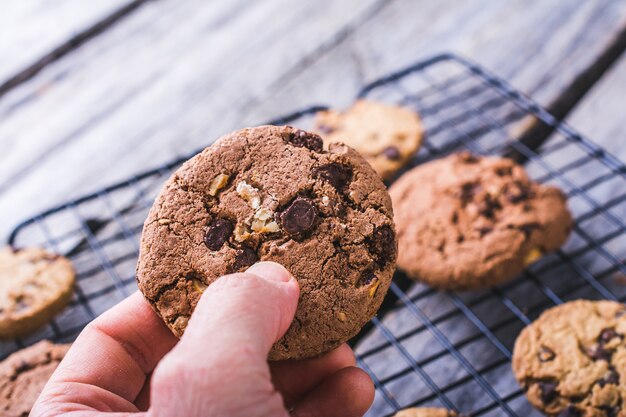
(32, 29)
(136, 98)
(600, 115)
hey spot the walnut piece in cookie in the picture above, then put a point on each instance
(35, 285)
(571, 361)
(274, 194)
(387, 136)
(24, 374)
(467, 221)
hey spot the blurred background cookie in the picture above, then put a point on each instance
(387, 136)
(571, 361)
(24, 374)
(426, 412)
(274, 194)
(35, 285)
(467, 221)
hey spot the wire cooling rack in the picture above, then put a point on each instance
(425, 347)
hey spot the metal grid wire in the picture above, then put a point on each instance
(425, 347)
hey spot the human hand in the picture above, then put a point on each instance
(127, 362)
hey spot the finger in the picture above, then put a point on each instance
(295, 378)
(242, 314)
(117, 350)
(348, 393)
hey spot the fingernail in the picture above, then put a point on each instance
(270, 271)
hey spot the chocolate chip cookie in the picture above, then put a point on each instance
(467, 221)
(24, 374)
(274, 194)
(34, 286)
(426, 412)
(572, 360)
(387, 136)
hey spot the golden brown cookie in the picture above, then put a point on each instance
(35, 285)
(24, 374)
(466, 221)
(387, 136)
(273, 194)
(572, 360)
(426, 412)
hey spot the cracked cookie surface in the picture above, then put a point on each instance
(24, 374)
(387, 136)
(467, 221)
(572, 360)
(34, 286)
(274, 194)
(426, 412)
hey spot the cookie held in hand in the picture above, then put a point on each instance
(274, 194)
(467, 221)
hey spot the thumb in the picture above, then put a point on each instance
(251, 310)
(219, 367)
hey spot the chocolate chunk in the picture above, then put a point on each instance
(299, 217)
(382, 244)
(548, 391)
(570, 411)
(339, 176)
(218, 232)
(545, 354)
(392, 153)
(303, 139)
(244, 258)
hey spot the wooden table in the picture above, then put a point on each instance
(92, 92)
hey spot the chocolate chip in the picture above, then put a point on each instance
(218, 232)
(612, 377)
(599, 353)
(570, 411)
(606, 335)
(244, 258)
(528, 228)
(367, 277)
(548, 391)
(468, 157)
(299, 217)
(469, 190)
(611, 411)
(325, 129)
(484, 230)
(517, 192)
(303, 139)
(545, 354)
(488, 206)
(392, 153)
(382, 244)
(502, 171)
(339, 176)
